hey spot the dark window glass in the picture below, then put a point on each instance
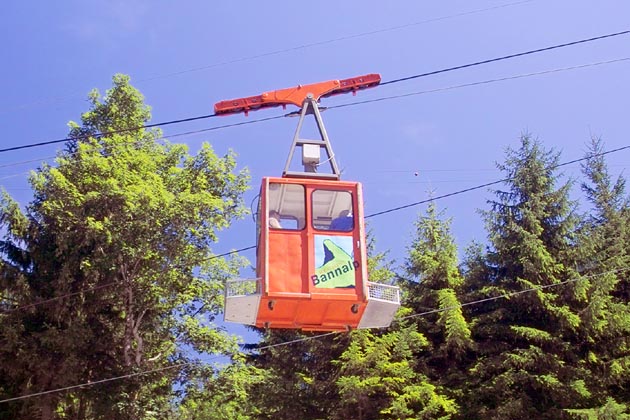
(332, 210)
(285, 204)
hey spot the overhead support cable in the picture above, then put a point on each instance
(480, 83)
(445, 70)
(506, 57)
(289, 49)
(334, 40)
(108, 133)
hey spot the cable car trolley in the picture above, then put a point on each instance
(311, 252)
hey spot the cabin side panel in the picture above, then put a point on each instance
(286, 263)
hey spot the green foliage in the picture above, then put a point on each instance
(534, 335)
(612, 410)
(117, 243)
(225, 394)
(602, 251)
(378, 375)
(456, 331)
(432, 283)
(524, 366)
(433, 255)
(379, 266)
(300, 377)
(123, 226)
(433, 286)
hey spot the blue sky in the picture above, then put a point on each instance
(185, 56)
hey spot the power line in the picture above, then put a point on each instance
(302, 46)
(451, 194)
(488, 184)
(146, 372)
(355, 103)
(394, 209)
(22, 162)
(439, 197)
(221, 127)
(507, 295)
(298, 340)
(338, 39)
(510, 294)
(201, 117)
(425, 170)
(42, 302)
(14, 175)
(92, 383)
(506, 57)
(479, 83)
(372, 215)
(303, 339)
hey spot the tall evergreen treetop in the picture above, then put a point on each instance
(433, 282)
(525, 364)
(530, 225)
(604, 258)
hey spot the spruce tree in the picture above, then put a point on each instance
(525, 364)
(604, 258)
(379, 373)
(433, 283)
(380, 378)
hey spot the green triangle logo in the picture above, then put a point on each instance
(337, 270)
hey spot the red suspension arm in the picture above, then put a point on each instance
(296, 95)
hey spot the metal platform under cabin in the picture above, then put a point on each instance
(243, 296)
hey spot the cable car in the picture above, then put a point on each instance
(311, 267)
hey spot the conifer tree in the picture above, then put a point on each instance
(433, 282)
(224, 394)
(525, 364)
(611, 410)
(604, 257)
(379, 377)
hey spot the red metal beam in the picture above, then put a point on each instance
(296, 95)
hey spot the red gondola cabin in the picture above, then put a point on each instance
(311, 251)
